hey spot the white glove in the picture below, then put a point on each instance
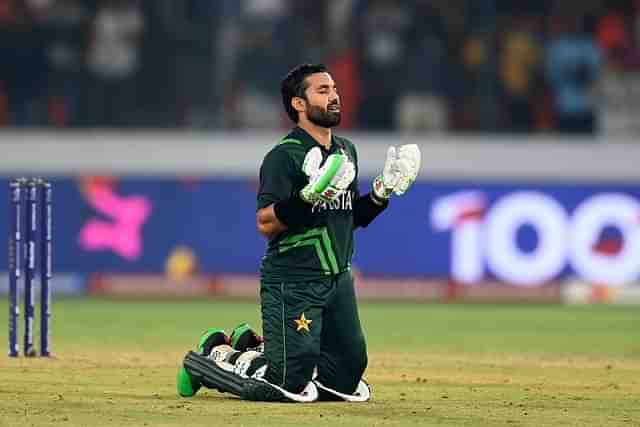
(328, 182)
(400, 171)
(384, 183)
(408, 166)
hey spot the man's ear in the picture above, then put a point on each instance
(298, 104)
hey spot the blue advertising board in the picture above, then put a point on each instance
(523, 233)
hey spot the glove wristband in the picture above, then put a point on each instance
(380, 191)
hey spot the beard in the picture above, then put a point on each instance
(322, 117)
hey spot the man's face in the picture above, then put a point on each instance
(323, 102)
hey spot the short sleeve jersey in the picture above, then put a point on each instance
(326, 247)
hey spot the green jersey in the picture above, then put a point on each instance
(326, 247)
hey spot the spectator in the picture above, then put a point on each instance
(66, 26)
(383, 42)
(416, 65)
(227, 46)
(426, 88)
(345, 71)
(520, 64)
(23, 67)
(467, 105)
(572, 63)
(619, 89)
(262, 58)
(113, 61)
(199, 83)
(338, 28)
(309, 35)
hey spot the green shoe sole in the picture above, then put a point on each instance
(185, 385)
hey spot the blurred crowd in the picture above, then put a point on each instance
(411, 66)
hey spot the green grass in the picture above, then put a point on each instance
(458, 365)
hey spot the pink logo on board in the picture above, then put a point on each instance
(123, 234)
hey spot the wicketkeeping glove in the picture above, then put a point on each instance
(328, 182)
(400, 171)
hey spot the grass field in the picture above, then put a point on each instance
(455, 365)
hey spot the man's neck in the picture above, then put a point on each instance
(320, 134)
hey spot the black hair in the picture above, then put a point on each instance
(294, 84)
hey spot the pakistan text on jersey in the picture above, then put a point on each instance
(344, 202)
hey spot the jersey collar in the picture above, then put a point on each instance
(310, 142)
